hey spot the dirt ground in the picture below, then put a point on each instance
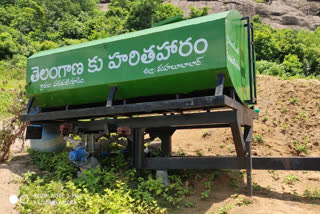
(10, 176)
(290, 113)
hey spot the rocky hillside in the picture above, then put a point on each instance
(296, 14)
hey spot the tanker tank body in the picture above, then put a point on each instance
(179, 58)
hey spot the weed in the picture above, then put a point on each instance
(205, 133)
(257, 138)
(295, 195)
(190, 204)
(290, 179)
(221, 146)
(265, 119)
(312, 195)
(180, 152)
(301, 147)
(256, 186)
(213, 176)
(226, 208)
(293, 100)
(303, 115)
(284, 125)
(235, 183)
(205, 195)
(284, 110)
(198, 176)
(241, 201)
(207, 185)
(235, 195)
(198, 152)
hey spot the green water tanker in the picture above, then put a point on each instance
(179, 58)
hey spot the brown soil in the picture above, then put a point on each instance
(295, 103)
(10, 176)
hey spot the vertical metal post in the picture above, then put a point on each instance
(238, 139)
(138, 141)
(92, 143)
(219, 85)
(166, 147)
(111, 96)
(29, 105)
(247, 137)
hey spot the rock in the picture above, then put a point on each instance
(277, 13)
(289, 20)
(155, 145)
(164, 175)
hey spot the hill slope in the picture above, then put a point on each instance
(295, 14)
(289, 121)
(290, 115)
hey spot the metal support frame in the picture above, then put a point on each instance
(164, 134)
(112, 93)
(231, 114)
(138, 145)
(219, 85)
(29, 105)
(251, 60)
(248, 137)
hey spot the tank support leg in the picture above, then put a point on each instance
(238, 138)
(247, 136)
(219, 86)
(112, 93)
(165, 135)
(29, 105)
(138, 141)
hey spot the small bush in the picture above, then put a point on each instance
(290, 179)
(257, 138)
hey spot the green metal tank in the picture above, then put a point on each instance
(182, 57)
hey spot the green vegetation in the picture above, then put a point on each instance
(301, 146)
(198, 152)
(286, 52)
(257, 138)
(225, 209)
(195, 12)
(205, 133)
(293, 100)
(290, 179)
(29, 26)
(205, 194)
(312, 194)
(190, 204)
(113, 188)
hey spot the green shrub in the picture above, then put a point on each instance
(195, 12)
(112, 188)
(257, 138)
